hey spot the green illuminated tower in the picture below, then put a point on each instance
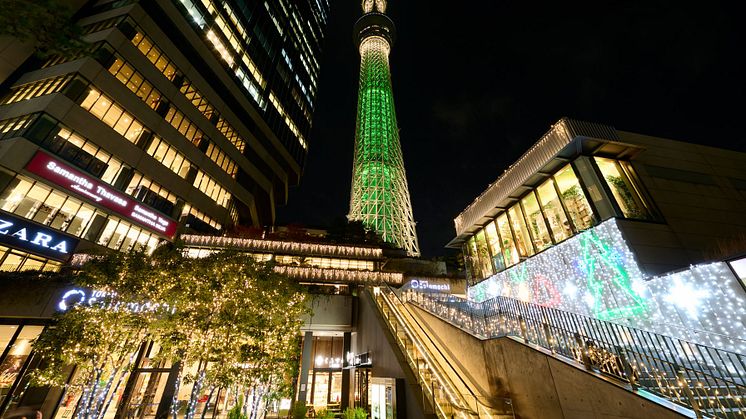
(380, 195)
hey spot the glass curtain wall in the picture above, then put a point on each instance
(554, 211)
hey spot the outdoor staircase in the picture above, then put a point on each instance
(692, 379)
(444, 388)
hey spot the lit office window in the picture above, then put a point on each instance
(626, 193)
(522, 238)
(211, 188)
(154, 55)
(510, 253)
(40, 203)
(536, 223)
(84, 154)
(15, 126)
(188, 210)
(37, 89)
(12, 260)
(123, 236)
(554, 212)
(135, 82)
(485, 262)
(575, 201)
(169, 156)
(103, 108)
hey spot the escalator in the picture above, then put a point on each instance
(447, 391)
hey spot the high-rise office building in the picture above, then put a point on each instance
(380, 195)
(182, 115)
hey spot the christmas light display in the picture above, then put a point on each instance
(286, 247)
(595, 274)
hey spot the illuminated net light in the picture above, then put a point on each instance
(380, 193)
(596, 274)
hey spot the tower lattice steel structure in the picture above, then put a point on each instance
(380, 195)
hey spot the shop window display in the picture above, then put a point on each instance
(625, 192)
(576, 203)
(553, 211)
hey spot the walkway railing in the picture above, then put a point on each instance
(439, 385)
(709, 381)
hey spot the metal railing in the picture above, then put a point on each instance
(437, 383)
(711, 382)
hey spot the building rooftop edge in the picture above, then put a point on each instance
(562, 133)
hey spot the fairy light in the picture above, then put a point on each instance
(596, 274)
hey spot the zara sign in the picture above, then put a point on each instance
(21, 234)
(102, 194)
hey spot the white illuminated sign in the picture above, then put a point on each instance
(77, 296)
(20, 233)
(424, 285)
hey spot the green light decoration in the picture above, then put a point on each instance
(593, 273)
(380, 194)
(617, 284)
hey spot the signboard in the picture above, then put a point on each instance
(34, 238)
(73, 180)
(429, 285)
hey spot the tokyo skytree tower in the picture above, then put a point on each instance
(380, 195)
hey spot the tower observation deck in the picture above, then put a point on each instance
(380, 194)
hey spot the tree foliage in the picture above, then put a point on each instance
(226, 320)
(47, 23)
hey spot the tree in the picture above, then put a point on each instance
(47, 23)
(226, 320)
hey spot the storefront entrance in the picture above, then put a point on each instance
(15, 350)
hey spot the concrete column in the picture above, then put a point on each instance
(347, 342)
(305, 365)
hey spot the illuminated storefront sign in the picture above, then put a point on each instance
(86, 297)
(19, 233)
(428, 285)
(76, 181)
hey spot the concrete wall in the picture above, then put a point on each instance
(540, 386)
(330, 312)
(372, 338)
(30, 299)
(701, 193)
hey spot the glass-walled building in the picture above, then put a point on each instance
(554, 210)
(676, 203)
(180, 116)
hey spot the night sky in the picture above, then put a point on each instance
(476, 83)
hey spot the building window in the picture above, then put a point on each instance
(536, 223)
(12, 260)
(510, 253)
(483, 254)
(625, 192)
(123, 236)
(17, 340)
(135, 82)
(211, 188)
(576, 203)
(552, 208)
(169, 156)
(493, 243)
(37, 89)
(522, 239)
(111, 114)
(470, 257)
